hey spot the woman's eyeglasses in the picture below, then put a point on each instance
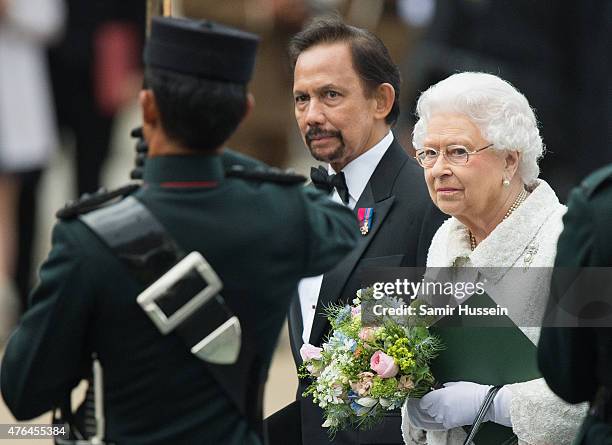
(455, 154)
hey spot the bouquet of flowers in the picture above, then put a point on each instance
(363, 371)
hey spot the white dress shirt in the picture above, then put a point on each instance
(357, 173)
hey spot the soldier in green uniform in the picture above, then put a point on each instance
(259, 230)
(577, 362)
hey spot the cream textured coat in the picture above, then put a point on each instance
(527, 238)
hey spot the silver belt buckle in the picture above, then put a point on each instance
(221, 346)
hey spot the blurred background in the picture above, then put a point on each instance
(70, 72)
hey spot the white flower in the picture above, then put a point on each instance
(368, 402)
(330, 421)
(330, 387)
(350, 344)
(385, 403)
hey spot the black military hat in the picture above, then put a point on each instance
(201, 48)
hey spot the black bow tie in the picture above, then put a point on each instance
(324, 181)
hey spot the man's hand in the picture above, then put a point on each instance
(458, 403)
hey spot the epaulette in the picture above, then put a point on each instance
(88, 202)
(265, 174)
(595, 181)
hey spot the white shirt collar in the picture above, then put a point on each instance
(357, 173)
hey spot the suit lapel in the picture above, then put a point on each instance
(296, 327)
(378, 195)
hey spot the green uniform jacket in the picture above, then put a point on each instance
(575, 361)
(261, 237)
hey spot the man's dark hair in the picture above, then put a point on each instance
(371, 58)
(200, 114)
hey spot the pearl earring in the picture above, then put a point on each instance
(506, 182)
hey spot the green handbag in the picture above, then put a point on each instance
(495, 352)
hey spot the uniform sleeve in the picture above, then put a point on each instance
(566, 356)
(46, 355)
(331, 232)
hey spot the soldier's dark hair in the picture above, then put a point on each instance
(371, 59)
(200, 114)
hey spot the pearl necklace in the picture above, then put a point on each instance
(517, 202)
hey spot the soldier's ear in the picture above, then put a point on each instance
(250, 104)
(150, 112)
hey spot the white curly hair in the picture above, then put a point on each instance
(497, 108)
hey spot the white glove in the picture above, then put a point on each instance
(419, 418)
(458, 403)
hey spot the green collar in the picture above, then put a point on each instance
(184, 171)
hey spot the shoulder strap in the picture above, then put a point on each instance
(481, 414)
(265, 174)
(148, 251)
(136, 237)
(89, 202)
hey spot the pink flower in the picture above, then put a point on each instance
(356, 310)
(383, 365)
(367, 334)
(310, 352)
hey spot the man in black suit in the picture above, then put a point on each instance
(346, 90)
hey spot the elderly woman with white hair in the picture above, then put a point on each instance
(478, 142)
